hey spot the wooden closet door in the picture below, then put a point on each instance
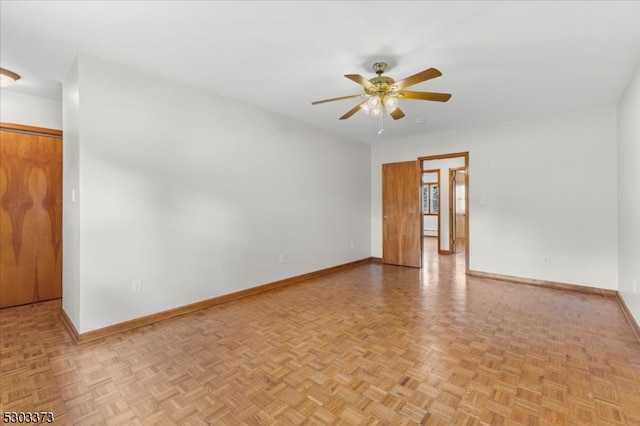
(30, 217)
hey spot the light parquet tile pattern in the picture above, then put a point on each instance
(375, 344)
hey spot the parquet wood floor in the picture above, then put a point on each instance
(375, 344)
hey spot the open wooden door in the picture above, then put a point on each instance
(458, 219)
(402, 214)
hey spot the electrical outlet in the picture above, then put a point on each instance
(546, 261)
(136, 286)
(352, 245)
(281, 258)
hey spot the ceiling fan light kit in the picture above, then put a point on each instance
(384, 92)
(8, 77)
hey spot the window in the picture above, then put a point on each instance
(430, 192)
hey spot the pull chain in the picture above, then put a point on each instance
(380, 128)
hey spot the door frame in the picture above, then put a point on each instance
(465, 155)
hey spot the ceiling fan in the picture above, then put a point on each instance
(384, 91)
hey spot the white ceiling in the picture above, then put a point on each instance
(501, 60)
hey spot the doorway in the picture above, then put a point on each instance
(403, 186)
(452, 201)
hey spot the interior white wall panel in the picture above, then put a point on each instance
(550, 189)
(199, 196)
(29, 110)
(629, 196)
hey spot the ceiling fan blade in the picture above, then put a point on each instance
(418, 78)
(338, 99)
(361, 80)
(425, 96)
(397, 114)
(352, 111)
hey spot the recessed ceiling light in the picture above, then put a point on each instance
(420, 121)
(8, 77)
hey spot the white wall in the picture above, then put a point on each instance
(430, 225)
(28, 110)
(550, 190)
(629, 196)
(71, 255)
(197, 196)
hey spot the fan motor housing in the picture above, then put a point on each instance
(383, 84)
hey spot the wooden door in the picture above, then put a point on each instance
(30, 217)
(402, 214)
(458, 211)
